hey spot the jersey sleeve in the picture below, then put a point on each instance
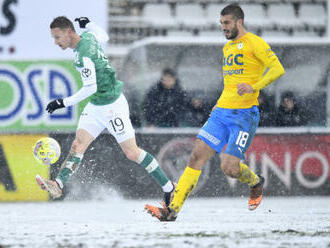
(265, 54)
(83, 93)
(98, 32)
(88, 77)
(87, 71)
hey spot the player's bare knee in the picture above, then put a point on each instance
(196, 161)
(75, 145)
(200, 155)
(78, 146)
(132, 155)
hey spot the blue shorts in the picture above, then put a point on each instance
(234, 127)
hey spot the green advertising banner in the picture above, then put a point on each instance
(26, 87)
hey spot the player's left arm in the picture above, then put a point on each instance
(265, 54)
(93, 28)
(275, 69)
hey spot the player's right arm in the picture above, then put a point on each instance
(88, 77)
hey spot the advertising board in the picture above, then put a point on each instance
(24, 26)
(26, 88)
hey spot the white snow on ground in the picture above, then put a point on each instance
(217, 222)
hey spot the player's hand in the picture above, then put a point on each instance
(82, 21)
(53, 105)
(244, 88)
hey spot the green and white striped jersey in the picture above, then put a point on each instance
(93, 66)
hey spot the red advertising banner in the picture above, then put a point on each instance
(306, 157)
(292, 164)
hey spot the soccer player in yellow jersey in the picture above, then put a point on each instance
(234, 119)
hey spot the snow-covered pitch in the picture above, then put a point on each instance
(302, 222)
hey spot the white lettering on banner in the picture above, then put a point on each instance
(267, 164)
(284, 176)
(32, 90)
(325, 170)
(253, 161)
(174, 155)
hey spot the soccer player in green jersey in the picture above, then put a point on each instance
(107, 107)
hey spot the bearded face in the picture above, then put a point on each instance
(229, 26)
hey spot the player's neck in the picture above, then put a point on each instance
(75, 40)
(241, 33)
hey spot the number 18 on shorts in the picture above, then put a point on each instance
(234, 127)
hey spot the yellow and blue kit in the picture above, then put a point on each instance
(235, 120)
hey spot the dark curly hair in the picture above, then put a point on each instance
(234, 10)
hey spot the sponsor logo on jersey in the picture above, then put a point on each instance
(233, 72)
(86, 72)
(240, 46)
(233, 59)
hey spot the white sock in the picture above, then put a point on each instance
(168, 187)
(59, 182)
(141, 157)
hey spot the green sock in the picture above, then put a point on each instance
(147, 161)
(69, 166)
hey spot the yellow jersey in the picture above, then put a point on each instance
(245, 60)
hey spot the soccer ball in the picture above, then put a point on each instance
(47, 151)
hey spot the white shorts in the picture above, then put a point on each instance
(115, 117)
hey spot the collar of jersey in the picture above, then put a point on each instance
(238, 40)
(78, 45)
